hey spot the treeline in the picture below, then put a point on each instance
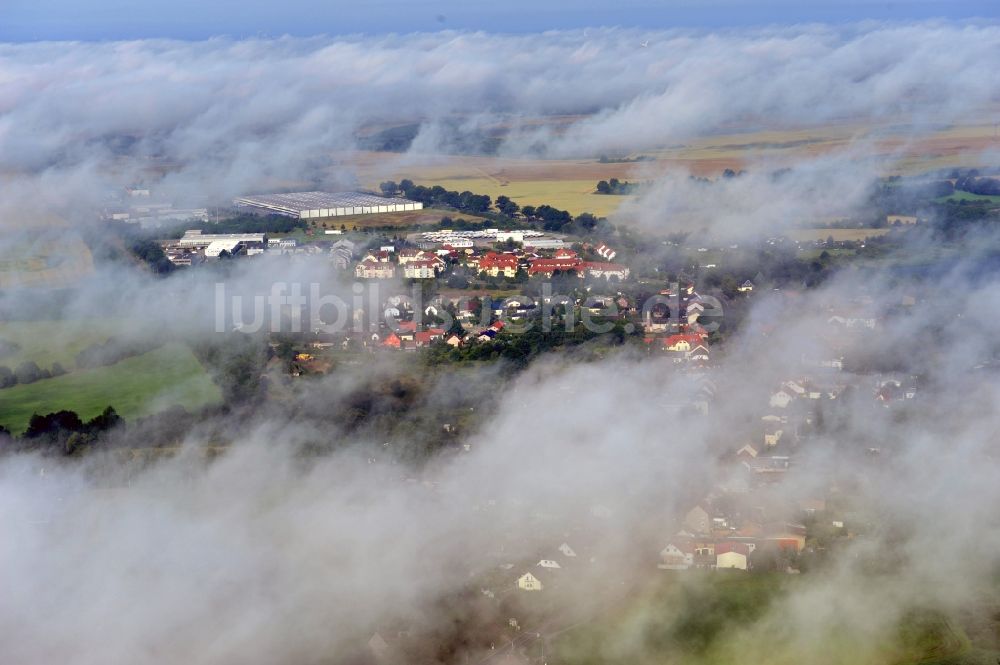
(61, 431)
(109, 240)
(246, 223)
(437, 195)
(617, 187)
(546, 217)
(981, 186)
(99, 354)
(604, 159)
(111, 351)
(237, 363)
(27, 372)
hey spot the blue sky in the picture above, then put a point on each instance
(28, 20)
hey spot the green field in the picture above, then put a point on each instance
(168, 376)
(46, 342)
(728, 617)
(967, 196)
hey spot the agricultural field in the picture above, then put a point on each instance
(576, 196)
(138, 386)
(49, 260)
(47, 342)
(839, 235)
(569, 183)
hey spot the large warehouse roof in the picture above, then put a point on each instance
(325, 204)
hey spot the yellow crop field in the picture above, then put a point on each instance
(839, 235)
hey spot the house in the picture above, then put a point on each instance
(698, 520)
(772, 436)
(565, 254)
(606, 252)
(529, 582)
(693, 311)
(605, 270)
(427, 337)
(392, 340)
(409, 254)
(745, 287)
(495, 264)
(732, 555)
(550, 564)
(673, 557)
(747, 451)
(342, 253)
(381, 256)
(699, 352)
(454, 341)
(491, 332)
(371, 269)
(566, 550)
(422, 268)
(682, 342)
(780, 399)
(548, 267)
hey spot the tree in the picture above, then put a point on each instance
(7, 377)
(53, 424)
(586, 221)
(106, 420)
(28, 372)
(57, 369)
(603, 187)
(389, 188)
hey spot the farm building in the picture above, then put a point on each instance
(315, 205)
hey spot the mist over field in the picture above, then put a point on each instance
(223, 117)
(399, 499)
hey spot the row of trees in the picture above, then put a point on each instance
(248, 223)
(437, 195)
(546, 216)
(27, 372)
(981, 186)
(61, 431)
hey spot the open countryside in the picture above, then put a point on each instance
(135, 387)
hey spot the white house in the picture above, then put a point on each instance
(529, 582)
(567, 550)
(549, 563)
(731, 560)
(673, 558)
(780, 399)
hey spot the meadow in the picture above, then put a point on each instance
(712, 618)
(138, 386)
(47, 342)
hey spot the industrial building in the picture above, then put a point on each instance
(195, 239)
(315, 205)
